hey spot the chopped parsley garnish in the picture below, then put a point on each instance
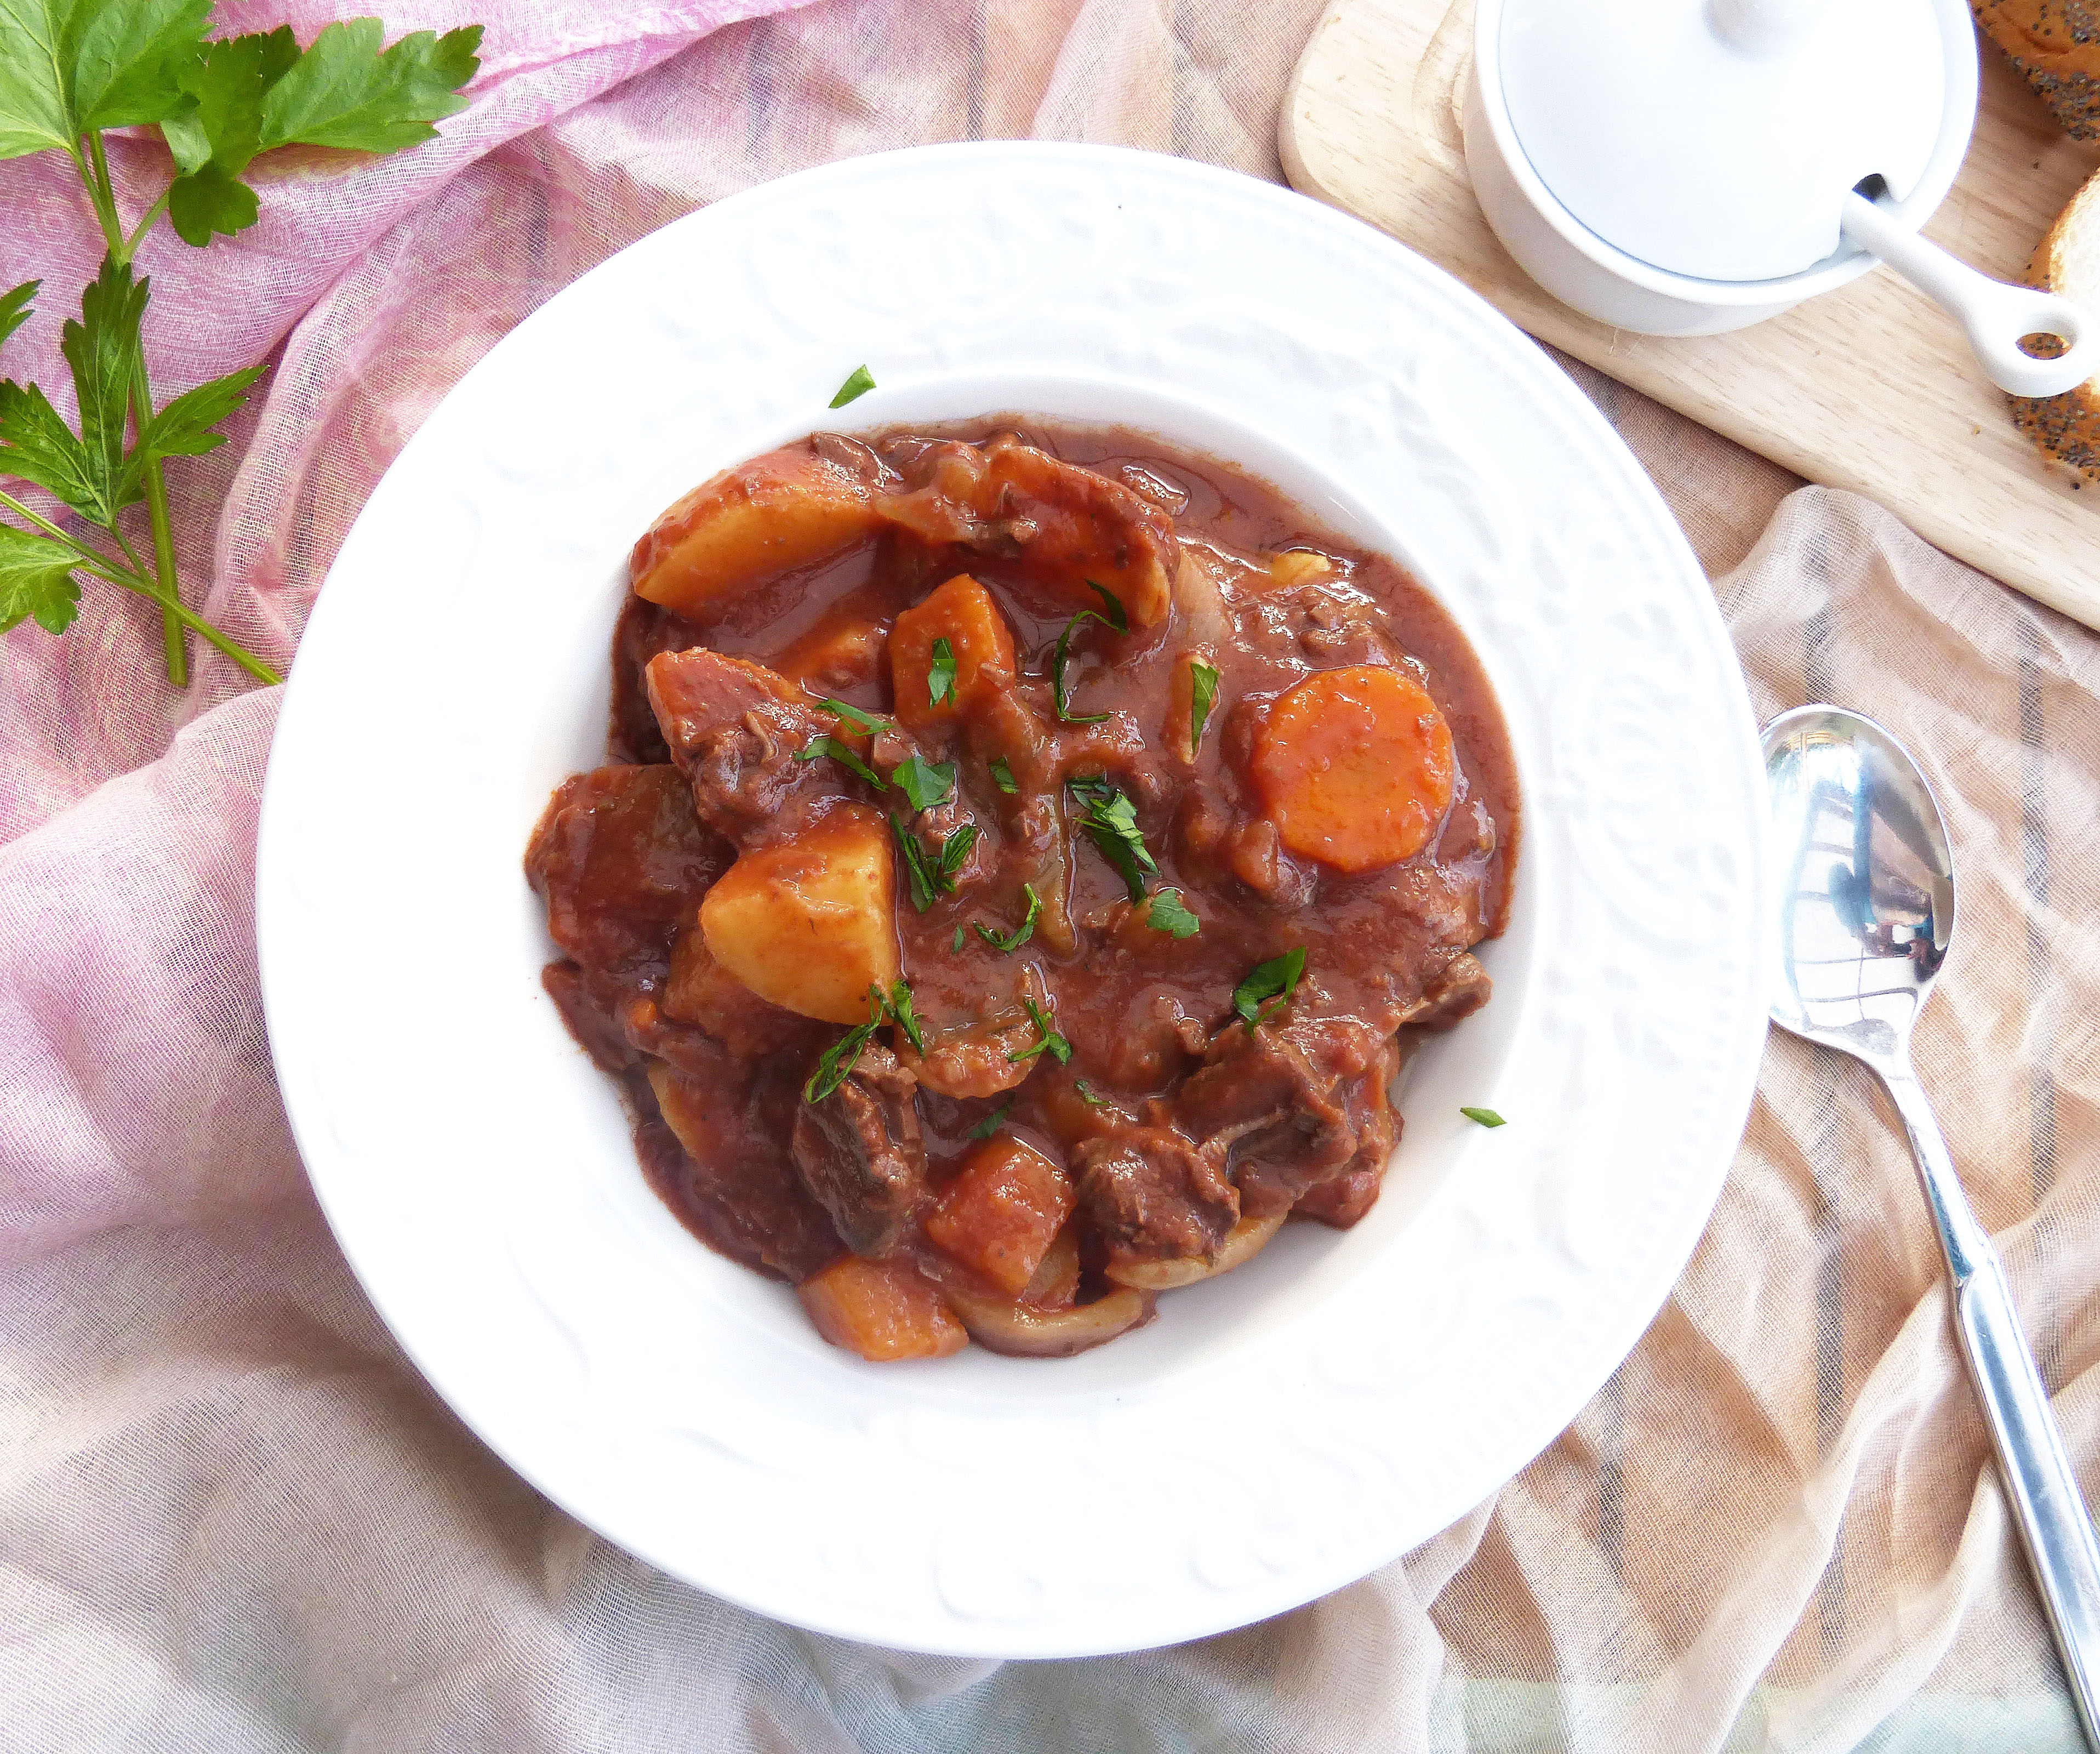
(1112, 605)
(853, 715)
(1487, 1117)
(1275, 981)
(842, 1055)
(1111, 820)
(1086, 1094)
(954, 850)
(858, 385)
(925, 782)
(1170, 914)
(1002, 775)
(991, 1123)
(1020, 935)
(1202, 691)
(843, 755)
(1048, 1039)
(956, 947)
(941, 674)
(1059, 695)
(918, 878)
(898, 1005)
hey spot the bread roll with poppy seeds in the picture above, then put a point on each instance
(2067, 426)
(2056, 43)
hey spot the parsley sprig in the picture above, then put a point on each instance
(69, 70)
(1202, 691)
(835, 1065)
(1046, 1041)
(1274, 981)
(1007, 943)
(1111, 820)
(1115, 620)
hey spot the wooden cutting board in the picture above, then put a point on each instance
(1871, 387)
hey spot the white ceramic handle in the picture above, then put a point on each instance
(1995, 315)
(1764, 27)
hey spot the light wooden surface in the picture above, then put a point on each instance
(1871, 387)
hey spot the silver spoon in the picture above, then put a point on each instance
(1865, 888)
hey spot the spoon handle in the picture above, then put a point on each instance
(2039, 1478)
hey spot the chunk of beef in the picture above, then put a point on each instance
(592, 1013)
(1153, 1197)
(734, 730)
(1460, 989)
(644, 629)
(710, 1137)
(859, 1152)
(621, 861)
(1063, 524)
(1291, 1106)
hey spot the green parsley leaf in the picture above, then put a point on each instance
(840, 1058)
(1002, 775)
(1059, 695)
(954, 850)
(853, 715)
(346, 91)
(69, 67)
(1113, 606)
(1048, 1039)
(854, 387)
(992, 1122)
(925, 782)
(839, 752)
(1487, 1117)
(222, 129)
(101, 349)
(1111, 820)
(1275, 980)
(14, 308)
(955, 945)
(36, 445)
(919, 880)
(941, 674)
(183, 427)
(1167, 912)
(210, 200)
(899, 1004)
(1202, 691)
(36, 581)
(1020, 935)
(1086, 1094)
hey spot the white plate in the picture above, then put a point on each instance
(1275, 1433)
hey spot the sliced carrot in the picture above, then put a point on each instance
(1000, 1214)
(1355, 767)
(882, 1310)
(962, 612)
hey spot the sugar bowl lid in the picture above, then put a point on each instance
(1719, 139)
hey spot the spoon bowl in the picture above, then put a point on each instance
(1865, 879)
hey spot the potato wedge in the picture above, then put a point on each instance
(784, 509)
(810, 924)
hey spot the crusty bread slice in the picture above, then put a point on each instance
(2056, 43)
(2067, 261)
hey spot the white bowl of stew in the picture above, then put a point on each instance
(1276, 1431)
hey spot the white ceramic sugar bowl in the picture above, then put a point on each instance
(1682, 167)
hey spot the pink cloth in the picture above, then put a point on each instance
(232, 1517)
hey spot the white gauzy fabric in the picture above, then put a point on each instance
(233, 1518)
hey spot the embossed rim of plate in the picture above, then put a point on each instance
(1278, 1434)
